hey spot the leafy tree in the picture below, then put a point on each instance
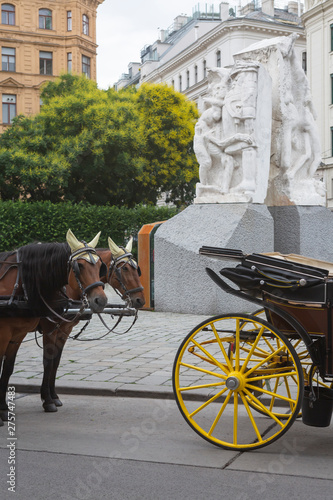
(169, 120)
(101, 146)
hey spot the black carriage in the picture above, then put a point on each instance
(241, 380)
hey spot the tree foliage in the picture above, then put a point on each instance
(100, 146)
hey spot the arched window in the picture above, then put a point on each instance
(7, 14)
(85, 24)
(45, 19)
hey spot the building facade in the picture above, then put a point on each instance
(184, 52)
(318, 23)
(40, 40)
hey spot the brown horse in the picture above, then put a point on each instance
(31, 282)
(123, 275)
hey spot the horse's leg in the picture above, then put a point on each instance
(53, 344)
(60, 343)
(49, 353)
(7, 370)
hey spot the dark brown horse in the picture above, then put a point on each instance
(123, 275)
(31, 283)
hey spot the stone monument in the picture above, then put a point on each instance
(258, 148)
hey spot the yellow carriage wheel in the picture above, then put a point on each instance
(220, 378)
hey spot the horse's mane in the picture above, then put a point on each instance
(43, 271)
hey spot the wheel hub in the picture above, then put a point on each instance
(235, 381)
(232, 383)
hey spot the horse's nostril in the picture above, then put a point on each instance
(139, 303)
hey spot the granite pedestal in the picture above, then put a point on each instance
(181, 282)
(305, 230)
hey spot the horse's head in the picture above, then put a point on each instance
(124, 274)
(85, 271)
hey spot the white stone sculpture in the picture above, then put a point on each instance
(257, 138)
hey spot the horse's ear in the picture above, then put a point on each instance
(94, 242)
(72, 240)
(129, 245)
(115, 250)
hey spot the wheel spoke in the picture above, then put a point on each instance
(217, 363)
(254, 425)
(235, 430)
(263, 408)
(255, 343)
(214, 374)
(211, 400)
(222, 347)
(267, 359)
(218, 416)
(202, 386)
(270, 393)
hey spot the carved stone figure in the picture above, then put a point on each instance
(226, 140)
(264, 150)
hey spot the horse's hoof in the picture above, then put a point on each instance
(57, 402)
(50, 407)
(4, 415)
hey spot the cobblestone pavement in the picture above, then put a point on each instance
(139, 361)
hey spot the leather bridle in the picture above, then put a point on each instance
(126, 258)
(88, 253)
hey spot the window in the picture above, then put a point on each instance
(331, 89)
(45, 19)
(195, 74)
(218, 58)
(204, 69)
(8, 108)
(85, 24)
(86, 66)
(69, 20)
(187, 79)
(45, 63)
(8, 14)
(304, 61)
(331, 37)
(69, 62)
(180, 83)
(8, 59)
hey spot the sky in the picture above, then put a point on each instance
(124, 27)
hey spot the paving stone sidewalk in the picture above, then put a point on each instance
(136, 363)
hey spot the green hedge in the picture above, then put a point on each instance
(22, 223)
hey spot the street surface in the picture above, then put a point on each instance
(98, 447)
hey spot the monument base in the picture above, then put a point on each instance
(181, 282)
(305, 230)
